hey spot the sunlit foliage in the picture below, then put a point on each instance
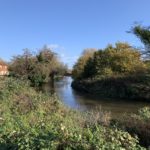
(38, 67)
(78, 68)
(121, 59)
(34, 120)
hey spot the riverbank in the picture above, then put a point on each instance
(36, 120)
(124, 87)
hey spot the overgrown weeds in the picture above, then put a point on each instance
(138, 124)
(35, 120)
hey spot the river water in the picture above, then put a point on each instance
(83, 102)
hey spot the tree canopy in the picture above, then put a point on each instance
(120, 59)
(37, 67)
(78, 68)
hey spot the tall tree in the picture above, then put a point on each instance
(143, 33)
(78, 68)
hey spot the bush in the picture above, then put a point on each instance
(35, 120)
(138, 124)
(144, 113)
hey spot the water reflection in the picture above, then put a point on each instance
(83, 101)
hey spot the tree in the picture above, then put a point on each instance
(78, 68)
(143, 33)
(37, 68)
(21, 65)
(119, 60)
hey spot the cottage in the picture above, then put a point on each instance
(3, 69)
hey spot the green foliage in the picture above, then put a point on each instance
(145, 113)
(116, 71)
(22, 65)
(37, 68)
(119, 60)
(143, 33)
(137, 124)
(34, 120)
(147, 63)
(78, 68)
(129, 87)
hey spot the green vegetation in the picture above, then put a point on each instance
(143, 33)
(138, 124)
(124, 87)
(30, 119)
(35, 120)
(112, 61)
(38, 68)
(117, 72)
(82, 61)
(121, 71)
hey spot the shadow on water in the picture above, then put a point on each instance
(82, 101)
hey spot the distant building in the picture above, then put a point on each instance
(3, 69)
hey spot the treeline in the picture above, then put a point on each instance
(38, 67)
(123, 68)
(111, 61)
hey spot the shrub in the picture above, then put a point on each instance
(144, 113)
(35, 120)
(138, 124)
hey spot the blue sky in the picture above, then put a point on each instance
(68, 26)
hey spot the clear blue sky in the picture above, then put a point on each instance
(68, 26)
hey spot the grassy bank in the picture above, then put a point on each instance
(34, 120)
(127, 87)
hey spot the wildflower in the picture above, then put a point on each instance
(62, 127)
(43, 124)
(14, 132)
(79, 136)
(1, 119)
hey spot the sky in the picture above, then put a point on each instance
(68, 26)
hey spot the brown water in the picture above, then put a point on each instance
(82, 101)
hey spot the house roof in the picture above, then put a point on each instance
(3, 63)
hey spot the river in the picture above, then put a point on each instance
(84, 102)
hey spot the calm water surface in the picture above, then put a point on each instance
(82, 101)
